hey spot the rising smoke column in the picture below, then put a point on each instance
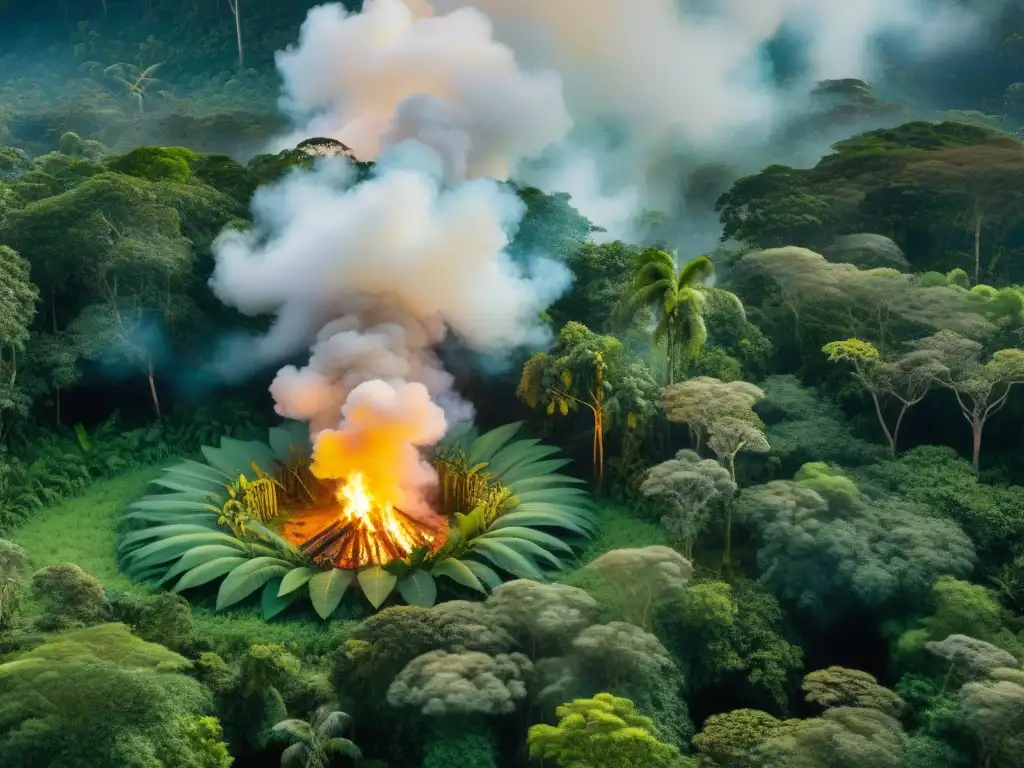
(373, 276)
(396, 72)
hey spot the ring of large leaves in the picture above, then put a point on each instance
(177, 535)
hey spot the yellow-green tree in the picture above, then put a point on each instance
(576, 373)
(905, 380)
(602, 732)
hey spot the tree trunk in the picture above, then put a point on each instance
(976, 427)
(881, 420)
(896, 428)
(152, 388)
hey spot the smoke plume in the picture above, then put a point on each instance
(396, 72)
(371, 277)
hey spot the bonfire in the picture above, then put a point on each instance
(364, 530)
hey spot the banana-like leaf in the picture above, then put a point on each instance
(568, 509)
(296, 578)
(510, 455)
(159, 531)
(197, 556)
(545, 481)
(376, 584)
(530, 456)
(530, 534)
(198, 489)
(506, 558)
(271, 602)
(229, 462)
(489, 443)
(487, 576)
(418, 588)
(178, 544)
(196, 469)
(327, 588)
(207, 519)
(459, 572)
(544, 520)
(523, 471)
(163, 502)
(532, 552)
(260, 454)
(573, 496)
(248, 577)
(207, 572)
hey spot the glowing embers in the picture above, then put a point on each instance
(365, 530)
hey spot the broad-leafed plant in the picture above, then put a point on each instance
(510, 514)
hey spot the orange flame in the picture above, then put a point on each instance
(359, 506)
(368, 530)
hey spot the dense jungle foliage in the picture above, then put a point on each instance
(808, 471)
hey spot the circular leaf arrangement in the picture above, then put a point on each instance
(509, 514)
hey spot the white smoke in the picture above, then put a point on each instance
(373, 276)
(396, 72)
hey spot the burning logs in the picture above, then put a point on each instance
(352, 543)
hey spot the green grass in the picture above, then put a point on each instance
(83, 531)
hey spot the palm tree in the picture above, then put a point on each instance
(313, 743)
(677, 299)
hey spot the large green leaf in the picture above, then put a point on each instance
(533, 552)
(530, 534)
(164, 502)
(545, 481)
(533, 469)
(484, 573)
(545, 520)
(271, 602)
(251, 452)
(196, 469)
(295, 578)
(327, 588)
(376, 584)
(189, 484)
(287, 446)
(570, 509)
(418, 588)
(247, 578)
(197, 556)
(489, 443)
(458, 571)
(506, 558)
(209, 571)
(231, 463)
(511, 454)
(206, 519)
(159, 531)
(572, 496)
(531, 456)
(175, 545)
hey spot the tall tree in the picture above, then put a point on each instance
(18, 297)
(981, 389)
(907, 379)
(578, 372)
(676, 295)
(702, 401)
(987, 177)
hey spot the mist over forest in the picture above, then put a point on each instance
(569, 384)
